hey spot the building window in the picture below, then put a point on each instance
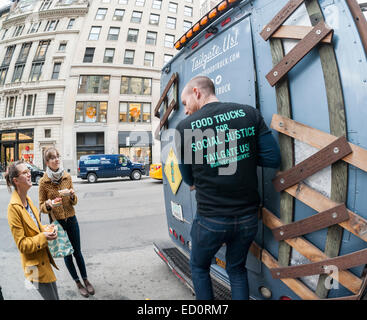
(167, 58)
(132, 35)
(94, 33)
(134, 112)
(172, 7)
(113, 33)
(89, 143)
(36, 71)
(149, 59)
(108, 55)
(29, 105)
(41, 50)
(157, 4)
(101, 14)
(151, 38)
(88, 55)
(24, 51)
(70, 24)
(50, 103)
(187, 25)
(135, 85)
(188, 11)
(91, 112)
(18, 72)
(94, 84)
(171, 23)
(56, 71)
(129, 56)
(8, 55)
(169, 40)
(51, 25)
(136, 16)
(11, 103)
(154, 19)
(18, 31)
(106, 1)
(3, 72)
(62, 46)
(123, 1)
(34, 27)
(45, 4)
(47, 133)
(118, 15)
(140, 3)
(4, 34)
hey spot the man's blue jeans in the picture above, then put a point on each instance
(207, 236)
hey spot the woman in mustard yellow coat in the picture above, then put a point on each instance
(29, 234)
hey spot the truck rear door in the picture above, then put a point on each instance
(226, 56)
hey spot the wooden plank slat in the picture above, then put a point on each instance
(313, 223)
(286, 146)
(297, 33)
(171, 81)
(313, 38)
(312, 253)
(280, 18)
(338, 127)
(317, 139)
(172, 106)
(318, 161)
(360, 21)
(355, 224)
(344, 262)
(296, 286)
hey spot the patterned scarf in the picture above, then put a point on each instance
(55, 176)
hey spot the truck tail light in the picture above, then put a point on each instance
(204, 21)
(196, 27)
(284, 298)
(228, 20)
(223, 6)
(213, 13)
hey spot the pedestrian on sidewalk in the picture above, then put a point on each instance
(54, 180)
(29, 234)
(225, 180)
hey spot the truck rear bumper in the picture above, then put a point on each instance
(179, 263)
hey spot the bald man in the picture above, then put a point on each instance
(221, 145)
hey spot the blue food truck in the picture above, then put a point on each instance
(303, 65)
(95, 166)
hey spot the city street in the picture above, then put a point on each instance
(119, 220)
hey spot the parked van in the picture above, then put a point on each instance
(93, 167)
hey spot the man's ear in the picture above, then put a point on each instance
(197, 92)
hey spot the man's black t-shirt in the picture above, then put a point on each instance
(219, 143)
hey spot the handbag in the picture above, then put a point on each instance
(61, 246)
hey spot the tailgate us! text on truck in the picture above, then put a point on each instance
(303, 64)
